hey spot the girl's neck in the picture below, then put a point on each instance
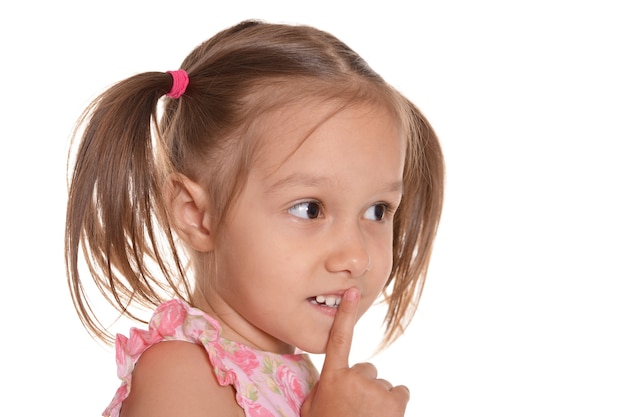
(236, 328)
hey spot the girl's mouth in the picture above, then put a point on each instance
(327, 300)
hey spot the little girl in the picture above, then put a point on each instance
(260, 209)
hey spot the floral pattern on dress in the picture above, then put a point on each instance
(267, 384)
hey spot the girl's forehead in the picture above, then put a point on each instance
(327, 132)
(290, 126)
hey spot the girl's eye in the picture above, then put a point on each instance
(306, 210)
(376, 212)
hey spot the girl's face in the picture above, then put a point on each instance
(314, 219)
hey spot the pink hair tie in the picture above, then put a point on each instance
(181, 80)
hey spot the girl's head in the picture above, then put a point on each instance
(260, 99)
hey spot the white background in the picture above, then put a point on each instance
(524, 311)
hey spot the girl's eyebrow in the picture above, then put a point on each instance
(302, 180)
(298, 180)
(394, 187)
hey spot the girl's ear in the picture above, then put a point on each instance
(188, 207)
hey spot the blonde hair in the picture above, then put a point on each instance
(130, 141)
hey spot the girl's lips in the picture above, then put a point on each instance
(323, 308)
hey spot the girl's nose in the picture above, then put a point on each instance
(348, 252)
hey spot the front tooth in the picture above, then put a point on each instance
(330, 301)
(320, 299)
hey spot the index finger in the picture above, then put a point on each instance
(340, 338)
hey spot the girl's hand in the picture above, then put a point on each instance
(351, 391)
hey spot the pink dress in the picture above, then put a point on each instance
(267, 384)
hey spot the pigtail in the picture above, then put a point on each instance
(115, 207)
(416, 223)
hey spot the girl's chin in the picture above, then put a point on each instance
(313, 346)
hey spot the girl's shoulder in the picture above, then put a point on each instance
(176, 378)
